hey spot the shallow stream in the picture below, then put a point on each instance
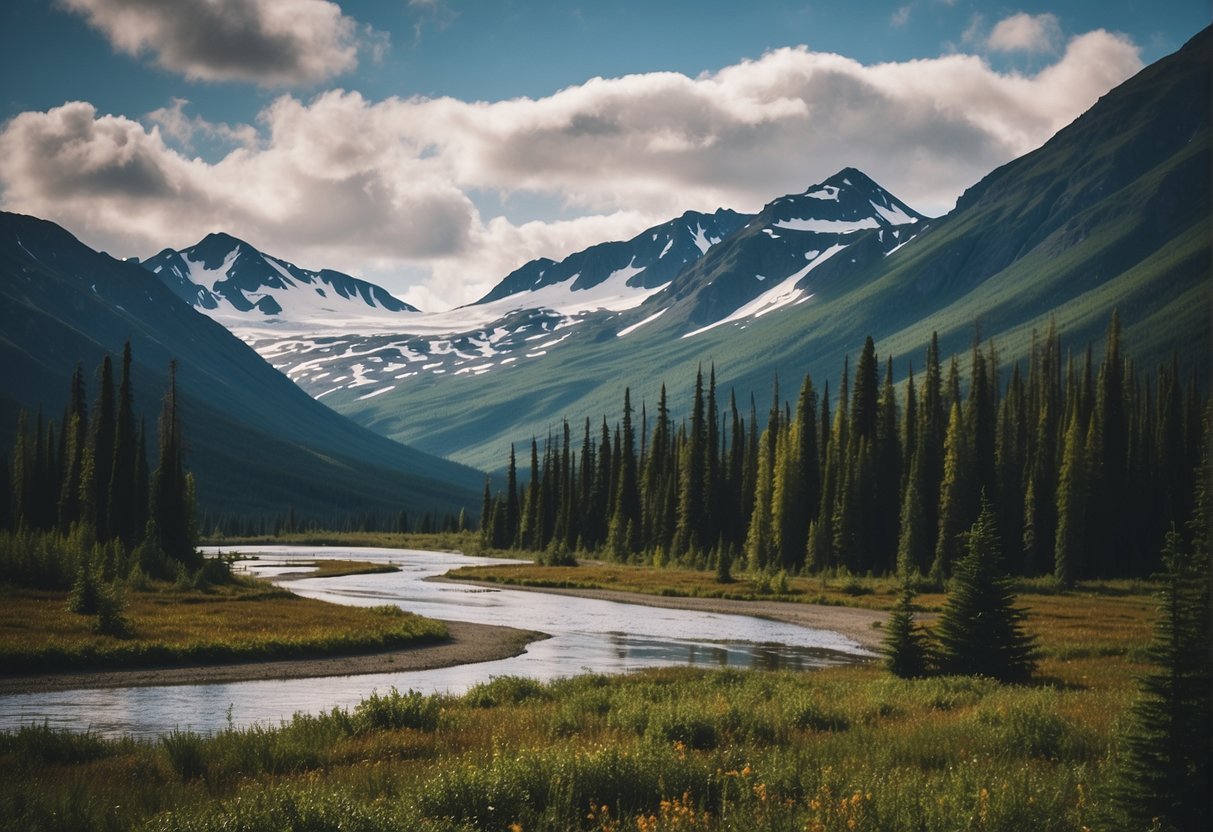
(588, 635)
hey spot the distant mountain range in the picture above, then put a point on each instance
(720, 268)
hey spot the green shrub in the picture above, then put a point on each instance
(506, 690)
(396, 710)
(86, 591)
(1030, 725)
(807, 714)
(682, 723)
(44, 745)
(110, 620)
(186, 753)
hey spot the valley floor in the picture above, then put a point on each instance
(468, 644)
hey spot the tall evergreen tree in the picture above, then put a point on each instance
(909, 427)
(711, 529)
(1010, 453)
(914, 552)
(20, 477)
(625, 521)
(980, 630)
(1044, 400)
(1166, 775)
(121, 499)
(864, 416)
(1068, 554)
(169, 523)
(511, 500)
(486, 512)
(528, 532)
(787, 502)
(955, 497)
(142, 479)
(76, 424)
(884, 512)
(102, 429)
(692, 462)
(904, 646)
(1111, 416)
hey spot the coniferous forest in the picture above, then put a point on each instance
(1085, 464)
(80, 494)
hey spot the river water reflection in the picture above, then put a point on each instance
(588, 635)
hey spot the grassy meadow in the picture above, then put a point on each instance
(168, 624)
(844, 748)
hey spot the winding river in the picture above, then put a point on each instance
(588, 635)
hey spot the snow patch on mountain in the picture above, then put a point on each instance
(699, 236)
(827, 226)
(778, 296)
(628, 330)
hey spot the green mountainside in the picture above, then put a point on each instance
(256, 442)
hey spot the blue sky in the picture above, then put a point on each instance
(350, 135)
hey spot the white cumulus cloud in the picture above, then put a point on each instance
(1025, 33)
(273, 43)
(389, 187)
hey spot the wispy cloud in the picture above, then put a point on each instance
(435, 14)
(184, 129)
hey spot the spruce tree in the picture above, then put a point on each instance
(20, 478)
(980, 631)
(486, 512)
(76, 425)
(528, 532)
(885, 509)
(101, 452)
(904, 645)
(760, 538)
(122, 497)
(1071, 505)
(169, 522)
(710, 473)
(788, 515)
(1165, 771)
(625, 520)
(915, 532)
(691, 504)
(142, 481)
(954, 496)
(511, 501)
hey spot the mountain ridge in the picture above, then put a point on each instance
(259, 444)
(232, 281)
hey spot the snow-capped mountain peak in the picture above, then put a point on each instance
(234, 283)
(617, 275)
(847, 201)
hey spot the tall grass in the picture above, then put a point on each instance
(168, 625)
(842, 749)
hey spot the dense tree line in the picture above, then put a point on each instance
(1085, 467)
(83, 485)
(218, 524)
